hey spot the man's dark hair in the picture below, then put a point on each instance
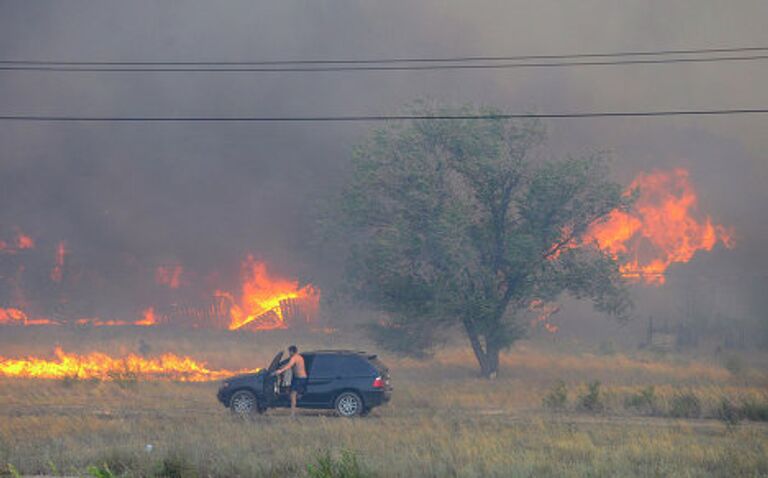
(293, 349)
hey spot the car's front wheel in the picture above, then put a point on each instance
(349, 404)
(244, 404)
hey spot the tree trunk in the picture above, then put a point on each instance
(492, 359)
(487, 356)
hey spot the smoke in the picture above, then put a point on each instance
(127, 198)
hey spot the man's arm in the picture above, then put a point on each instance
(287, 366)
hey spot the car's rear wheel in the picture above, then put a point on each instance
(349, 404)
(245, 404)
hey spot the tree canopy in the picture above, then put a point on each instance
(459, 224)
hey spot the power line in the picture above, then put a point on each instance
(397, 60)
(408, 67)
(375, 118)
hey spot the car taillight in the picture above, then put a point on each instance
(378, 382)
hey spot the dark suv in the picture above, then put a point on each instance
(352, 383)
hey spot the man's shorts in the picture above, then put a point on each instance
(299, 385)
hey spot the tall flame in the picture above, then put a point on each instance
(148, 318)
(96, 365)
(660, 229)
(262, 296)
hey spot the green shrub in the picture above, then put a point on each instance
(175, 465)
(592, 401)
(685, 405)
(728, 413)
(644, 401)
(557, 398)
(13, 471)
(54, 469)
(100, 471)
(118, 461)
(755, 410)
(326, 466)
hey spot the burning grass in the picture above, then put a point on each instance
(100, 366)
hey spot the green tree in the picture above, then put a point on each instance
(456, 223)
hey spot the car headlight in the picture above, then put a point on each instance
(224, 384)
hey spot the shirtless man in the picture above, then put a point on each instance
(299, 378)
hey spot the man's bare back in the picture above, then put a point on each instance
(297, 364)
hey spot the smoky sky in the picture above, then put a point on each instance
(128, 197)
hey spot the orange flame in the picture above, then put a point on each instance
(551, 328)
(12, 316)
(96, 365)
(24, 242)
(169, 276)
(58, 267)
(660, 229)
(148, 318)
(262, 296)
(545, 312)
(96, 322)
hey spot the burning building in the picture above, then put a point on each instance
(264, 301)
(267, 301)
(660, 229)
(663, 227)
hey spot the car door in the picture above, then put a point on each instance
(322, 380)
(270, 380)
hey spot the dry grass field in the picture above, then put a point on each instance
(650, 415)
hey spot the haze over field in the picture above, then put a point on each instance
(572, 296)
(125, 199)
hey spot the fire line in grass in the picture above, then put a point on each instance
(100, 366)
(13, 316)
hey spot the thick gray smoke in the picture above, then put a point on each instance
(129, 197)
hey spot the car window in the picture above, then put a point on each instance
(378, 365)
(275, 362)
(323, 366)
(355, 367)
